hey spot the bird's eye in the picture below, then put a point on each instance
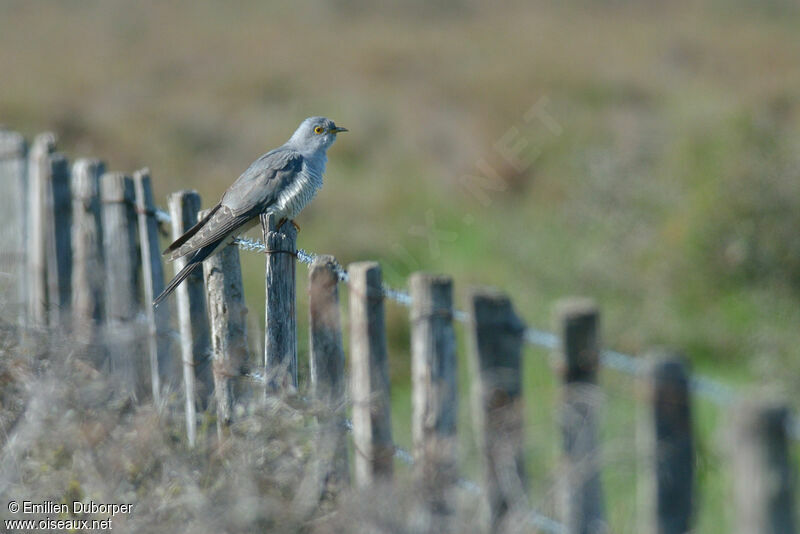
(319, 130)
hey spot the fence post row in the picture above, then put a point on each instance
(369, 376)
(763, 475)
(583, 510)
(162, 367)
(326, 363)
(497, 340)
(667, 448)
(13, 233)
(434, 382)
(192, 317)
(280, 329)
(87, 248)
(69, 226)
(227, 311)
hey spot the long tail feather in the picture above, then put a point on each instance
(180, 277)
(188, 234)
(194, 262)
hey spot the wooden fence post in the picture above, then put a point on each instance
(583, 509)
(434, 382)
(158, 334)
(192, 316)
(280, 338)
(326, 362)
(667, 448)
(38, 173)
(121, 268)
(13, 203)
(50, 250)
(119, 240)
(497, 390)
(369, 376)
(763, 474)
(87, 248)
(228, 318)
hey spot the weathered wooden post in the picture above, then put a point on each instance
(228, 318)
(280, 338)
(39, 170)
(50, 254)
(119, 240)
(192, 316)
(583, 508)
(13, 203)
(162, 367)
(497, 391)
(87, 248)
(434, 383)
(122, 294)
(326, 362)
(763, 473)
(666, 446)
(369, 376)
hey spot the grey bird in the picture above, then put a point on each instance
(282, 181)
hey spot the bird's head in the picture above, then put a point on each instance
(314, 134)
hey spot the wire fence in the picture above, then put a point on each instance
(712, 390)
(708, 388)
(542, 522)
(705, 387)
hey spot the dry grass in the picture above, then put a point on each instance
(70, 434)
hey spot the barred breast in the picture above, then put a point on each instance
(298, 193)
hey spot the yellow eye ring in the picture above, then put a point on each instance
(319, 130)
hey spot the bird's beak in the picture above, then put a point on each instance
(338, 129)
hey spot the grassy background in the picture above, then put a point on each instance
(665, 183)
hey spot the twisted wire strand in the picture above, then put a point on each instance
(161, 215)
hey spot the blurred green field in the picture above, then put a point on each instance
(664, 181)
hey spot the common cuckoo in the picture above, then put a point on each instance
(282, 181)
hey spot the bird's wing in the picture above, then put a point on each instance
(215, 229)
(260, 184)
(250, 195)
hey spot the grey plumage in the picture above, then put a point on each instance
(282, 181)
